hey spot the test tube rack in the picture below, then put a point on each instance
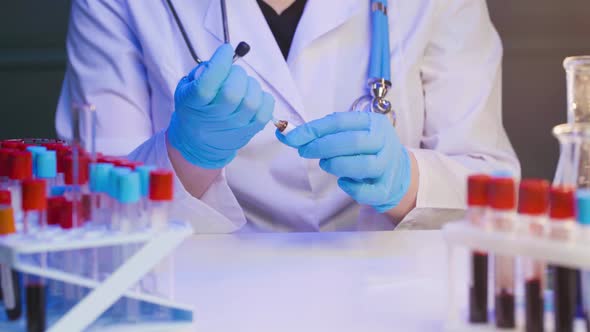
(155, 245)
(462, 237)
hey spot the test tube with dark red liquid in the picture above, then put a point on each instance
(34, 204)
(9, 282)
(533, 204)
(561, 212)
(502, 198)
(477, 202)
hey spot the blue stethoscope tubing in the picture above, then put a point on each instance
(379, 66)
(379, 75)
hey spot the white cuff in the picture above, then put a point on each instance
(217, 211)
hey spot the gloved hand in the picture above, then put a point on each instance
(363, 150)
(218, 109)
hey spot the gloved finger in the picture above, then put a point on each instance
(247, 110)
(232, 91)
(364, 192)
(355, 167)
(206, 79)
(236, 138)
(264, 113)
(347, 143)
(331, 124)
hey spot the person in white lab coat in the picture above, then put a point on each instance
(128, 57)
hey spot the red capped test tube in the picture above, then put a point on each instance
(562, 214)
(10, 284)
(161, 193)
(502, 198)
(77, 178)
(34, 205)
(5, 155)
(477, 203)
(533, 205)
(20, 169)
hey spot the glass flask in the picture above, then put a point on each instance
(572, 166)
(577, 69)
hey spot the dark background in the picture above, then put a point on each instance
(537, 36)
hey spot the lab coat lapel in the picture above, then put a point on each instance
(321, 17)
(247, 23)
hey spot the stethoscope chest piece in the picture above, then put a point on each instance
(376, 101)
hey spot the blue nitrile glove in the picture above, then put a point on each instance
(363, 150)
(218, 109)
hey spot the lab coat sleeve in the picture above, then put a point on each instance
(106, 68)
(463, 131)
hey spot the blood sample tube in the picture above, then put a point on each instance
(77, 179)
(129, 195)
(144, 177)
(34, 206)
(62, 151)
(161, 280)
(9, 282)
(20, 168)
(99, 185)
(502, 199)
(35, 151)
(5, 155)
(533, 204)
(562, 214)
(113, 191)
(477, 202)
(46, 168)
(161, 194)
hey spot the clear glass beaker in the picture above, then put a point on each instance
(577, 69)
(572, 166)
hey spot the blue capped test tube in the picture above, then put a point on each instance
(45, 167)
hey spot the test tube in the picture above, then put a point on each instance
(5, 155)
(34, 205)
(68, 260)
(9, 281)
(144, 177)
(76, 175)
(35, 151)
(99, 182)
(583, 216)
(62, 151)
(20, 168)
(477, 202)
(113, 192)
(503, 202)
(161, 193)
(129, 195)
(533, 203)
(45, 165)
(562, 214)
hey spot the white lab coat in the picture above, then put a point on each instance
(126, 57)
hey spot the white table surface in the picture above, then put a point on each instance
(345, 282)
